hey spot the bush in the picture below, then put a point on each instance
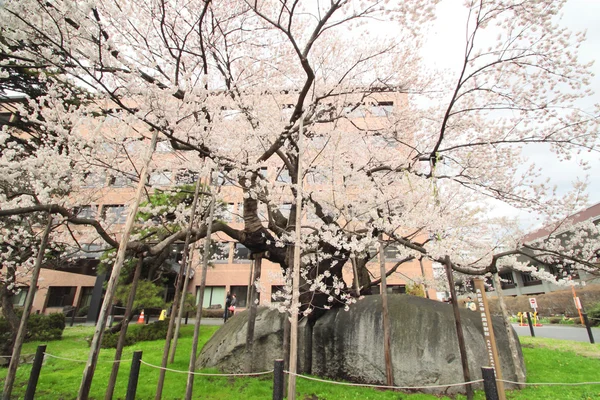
(137, 333)
(83, 311)
(45, 327)
(594, 315)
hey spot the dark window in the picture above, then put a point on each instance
(241, 254)
(391, 252)
(241, 292)
(396, 289)
(186, 177)
(119, 181)
(507, 280)
(115, 213)
(529, 280)
(277, 293)
(86, 211)
(60, 296)
(220, 252)
(86, 296)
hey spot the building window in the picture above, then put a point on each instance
(60, 296)
(507, 280)
(285, 209)
(224, 179)
(392, 252)
(214, 296)
(164, 146)
(529, 280)
(229, 212)
(86, 297)
(396, 289)
(240, 212)
(277, 293)
(94, 180)
(88, 211)
(241, 293)
(382, 108)
(283, 176)
(160, 178)
(317, 177)
(19, 297)
(114, 213)
(241, 254)
(119, 181)
(220, 252)
(186, 177)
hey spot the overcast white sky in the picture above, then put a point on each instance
(444, 49)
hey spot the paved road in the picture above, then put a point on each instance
(576, 333)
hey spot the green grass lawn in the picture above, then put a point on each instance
(547, 360)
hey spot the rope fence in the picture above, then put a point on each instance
(83, 361)
(384, 386)
(549, 383)
(201, 373)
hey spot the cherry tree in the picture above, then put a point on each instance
(389, 148)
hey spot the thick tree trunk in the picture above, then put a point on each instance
(8, 312)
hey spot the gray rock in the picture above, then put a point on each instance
(349, 345)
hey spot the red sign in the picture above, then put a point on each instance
(533, 302)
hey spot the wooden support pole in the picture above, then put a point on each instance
(459, 331)
(16, 353)
(123, 333)
(387, 347)
(192, 365)
(34, 375)
(88, 372)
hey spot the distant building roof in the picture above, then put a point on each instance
(592, 212)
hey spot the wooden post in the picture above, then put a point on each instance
(123, 333)
(588, 328)
(178, 284)
(459, 331)
(182, 305)
(488, 334)
(35, 372)
(16, 353)
(489, 383)
(88, 372)
(296, 273)
(134, 374)
(250, 286)
(278, 380)
(387, 351)
(192, 365)
(252, 313)
(423, 275)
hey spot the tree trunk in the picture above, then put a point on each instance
(8, 312)
(252, 306)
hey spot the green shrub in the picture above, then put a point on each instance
(83, 311)
(594, 315)
(137, 333)
(45, 327)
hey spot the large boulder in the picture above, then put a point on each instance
(349, 345)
